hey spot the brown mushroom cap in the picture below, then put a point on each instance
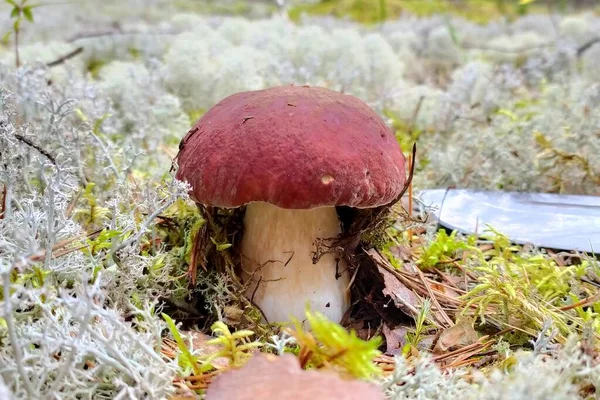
(295, 147)
(280, 377)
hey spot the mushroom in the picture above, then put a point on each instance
(267, 376)
(291, 155)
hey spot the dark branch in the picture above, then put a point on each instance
(35, 146)
(586, 46)
(113, 32)
(64, 58)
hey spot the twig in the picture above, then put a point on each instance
(256, 289)
(64, 58)
(447, 279)
(203, 377)
(467, 273)
(17, 55)
(410, 200)
(411, 172)
(586, 46)
(415, 114)
(60, 245)
(72, 204)
(36, 147)
(411, 162)
(486, 360)
(92, 35)
(581, 303)
(199, 386)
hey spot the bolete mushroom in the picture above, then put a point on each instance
(291, 155)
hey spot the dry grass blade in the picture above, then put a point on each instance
(193, 382)
(469, 357)
(39, 256)
(420, 286)
(480, 346)
(434, 299)
(385, 363)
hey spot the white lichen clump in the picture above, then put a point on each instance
(534, 375)
(62, 322)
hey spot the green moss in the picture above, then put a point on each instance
(365, 11)
(518, 289)
(91, 214)
(195, 115)
(379, 237)
(134, 53)
(94, 66)
(373, 11)
(444, 249)
(511, 287)
(215, 7)
(330, 345)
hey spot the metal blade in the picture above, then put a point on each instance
(565, 222)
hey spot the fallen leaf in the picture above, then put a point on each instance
(395, 339)
(266, 376)
(457, 336)
(365, 333)
(426, 342)
(403, 297)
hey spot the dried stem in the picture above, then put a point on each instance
(64, 58)
(17, 57)
(36, 147)
(92, 35)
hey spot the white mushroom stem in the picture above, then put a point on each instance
(277, 250)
